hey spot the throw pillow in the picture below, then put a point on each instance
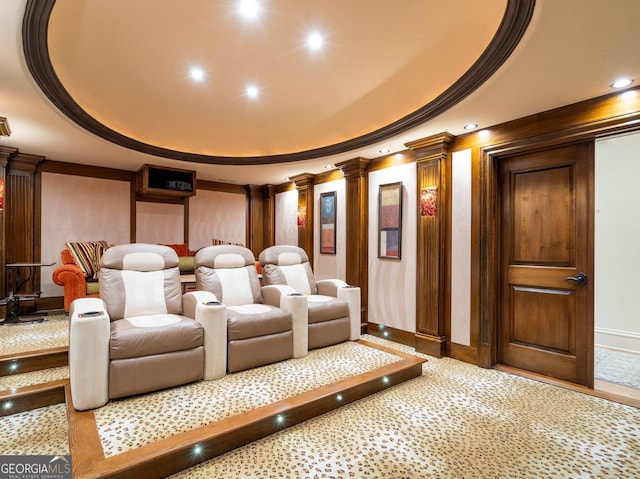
(87, 256)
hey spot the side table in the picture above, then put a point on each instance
(13, 300)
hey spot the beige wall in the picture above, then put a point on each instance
(461, 247)
(159, 223)
(617, 243)
(330, 266)
(286, 218)
(76, 208)
(216, 214)
(392, 283)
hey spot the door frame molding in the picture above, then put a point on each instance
(608, 115)
(489, 237)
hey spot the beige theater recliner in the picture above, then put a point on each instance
(142, 335)
(258, 333)
(334, 306)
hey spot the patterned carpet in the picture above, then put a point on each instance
(53, 332)
(617, 367)
(455, 421)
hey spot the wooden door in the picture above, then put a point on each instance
(546, 305)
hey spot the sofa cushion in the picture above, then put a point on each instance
(181, 249)
(185, 264)
(93, 287)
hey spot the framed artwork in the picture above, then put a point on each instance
(328, 223)
(390, 220)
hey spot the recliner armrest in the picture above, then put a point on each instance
(204, 307)
(329, 287)
(273, 293)
(288, 299)
(89, 334)
(351, 294)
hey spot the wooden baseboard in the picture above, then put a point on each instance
(392, 334)
(461, 352)
(431, 345)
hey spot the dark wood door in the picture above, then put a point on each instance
(546, 317)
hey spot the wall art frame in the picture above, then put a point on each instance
(328, 203)
(390, 221)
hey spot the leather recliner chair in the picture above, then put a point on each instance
(258, 333)
(142, 335)
(334, 306)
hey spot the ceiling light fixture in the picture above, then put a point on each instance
(622, 82)
(253, 91)
(315, 41)
(248, 8)
(384, 151)
(197, 74)
(470, 126)
(329, 167)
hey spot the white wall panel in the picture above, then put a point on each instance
(286, 217)
(461, 247)
(330, 266)
(77, 208)
(159, 223)
(217, 214)
(617, 242)
(392, 283)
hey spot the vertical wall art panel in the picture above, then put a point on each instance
(328, 223)
(390, 220)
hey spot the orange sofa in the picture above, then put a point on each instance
(75, 284)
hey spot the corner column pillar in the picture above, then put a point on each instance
(432, 247)
(357, 223)
(304, 185)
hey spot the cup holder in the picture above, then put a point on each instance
(90, 314)
(213, 303)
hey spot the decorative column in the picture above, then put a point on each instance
(357, 221)
(432, 247)
(255, 213)
(22, 213)
(269, 217)
(304, 185)
(5, 154)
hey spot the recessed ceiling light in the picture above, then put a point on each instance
(197, 74)
(470, 126)
(384, 151)
(622, 82)
(249, 8)
(315, 41)
(253, 91)
(329, 167)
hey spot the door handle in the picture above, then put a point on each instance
(580, 279)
